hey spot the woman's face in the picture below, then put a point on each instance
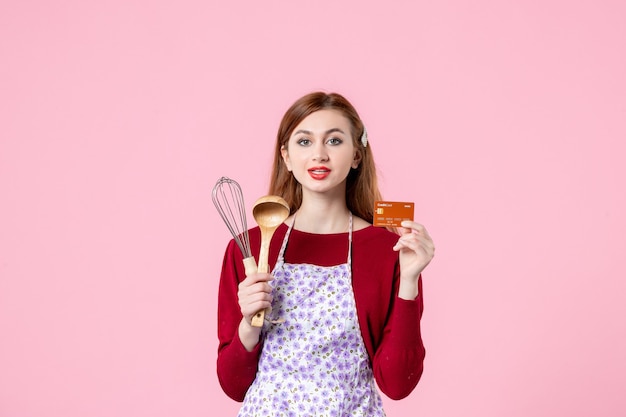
(320, 152)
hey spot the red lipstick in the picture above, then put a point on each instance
(319, 173)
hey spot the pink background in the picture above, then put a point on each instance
(504, 121)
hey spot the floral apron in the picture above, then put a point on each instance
(313, 363)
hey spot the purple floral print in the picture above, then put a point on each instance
(314, 363)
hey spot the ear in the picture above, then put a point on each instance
(285, 154)
(356, 160)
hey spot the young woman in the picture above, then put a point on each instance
(345, 296)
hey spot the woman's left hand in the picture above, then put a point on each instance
(416, 249)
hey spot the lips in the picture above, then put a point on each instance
(319, 173)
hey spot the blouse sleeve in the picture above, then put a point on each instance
(236, 367)
(399, 359)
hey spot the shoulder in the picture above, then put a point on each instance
(372, 233)
(254, 231)
(358, 223)
(374, 246)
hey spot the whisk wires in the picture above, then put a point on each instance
(228, 200)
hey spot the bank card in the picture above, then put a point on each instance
(392, 213)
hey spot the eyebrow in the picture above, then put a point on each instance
(308, 132)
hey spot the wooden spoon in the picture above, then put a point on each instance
(269, 212)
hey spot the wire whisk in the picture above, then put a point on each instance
(228, 200)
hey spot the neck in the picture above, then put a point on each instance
(322, 216)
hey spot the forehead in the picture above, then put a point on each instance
(323, 120)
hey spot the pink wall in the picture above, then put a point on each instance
(504, 121)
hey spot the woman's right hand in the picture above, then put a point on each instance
(255, 294)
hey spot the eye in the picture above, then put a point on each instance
(303, 142)
(335, 141)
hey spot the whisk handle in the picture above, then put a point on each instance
(249, 265)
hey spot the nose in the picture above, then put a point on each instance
(319, 152)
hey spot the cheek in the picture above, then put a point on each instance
(295, 158)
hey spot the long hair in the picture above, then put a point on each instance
(362, 184)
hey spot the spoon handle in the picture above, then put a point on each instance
(264, 253)
(266, 237)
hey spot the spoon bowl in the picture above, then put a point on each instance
(270, 211)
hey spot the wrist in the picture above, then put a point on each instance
(248, 335)
(408, 289)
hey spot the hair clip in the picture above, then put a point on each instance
(364, 137)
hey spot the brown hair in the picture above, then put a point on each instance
(362, 185)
